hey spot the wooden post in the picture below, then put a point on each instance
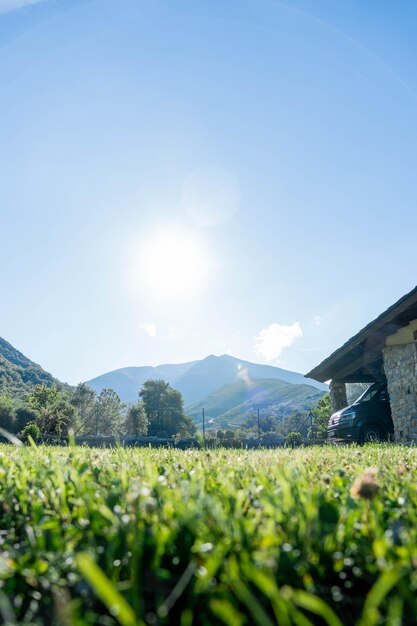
(204, 429)
(259, 428)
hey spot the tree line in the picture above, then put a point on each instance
(293, 429)
(54, 411)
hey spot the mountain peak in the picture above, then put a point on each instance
(195, 379)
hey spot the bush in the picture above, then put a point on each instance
(294, 440)
(31, 430)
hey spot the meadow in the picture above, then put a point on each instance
(140, 536)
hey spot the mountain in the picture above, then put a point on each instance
(213, 372)
(197, 379)
(128, 381)
(231, 404)
(18, 374)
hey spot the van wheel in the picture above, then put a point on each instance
(372, 433)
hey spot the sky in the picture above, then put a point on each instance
(182, 178)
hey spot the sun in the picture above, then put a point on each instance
(173, 264)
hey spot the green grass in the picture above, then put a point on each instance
(137, 537)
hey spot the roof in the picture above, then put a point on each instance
(360, 358)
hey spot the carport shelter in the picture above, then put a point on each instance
(385, 350)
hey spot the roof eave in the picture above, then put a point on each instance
(323, 371)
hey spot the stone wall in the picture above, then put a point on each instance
(338, 398)
(400, 365)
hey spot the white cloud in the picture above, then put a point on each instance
(150, 329)
(272, 340)
(13, 5)
(317, 319)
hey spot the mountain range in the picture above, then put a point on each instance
(225, 386)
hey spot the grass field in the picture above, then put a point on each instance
(130, 536)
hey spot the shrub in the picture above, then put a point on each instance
(31, 430)
(294, 440)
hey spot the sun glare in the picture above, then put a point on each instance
(173, 265)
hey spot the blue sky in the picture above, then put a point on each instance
(183, 178)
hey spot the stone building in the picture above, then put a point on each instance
(385, 350)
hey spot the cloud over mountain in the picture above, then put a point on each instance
(272, 340)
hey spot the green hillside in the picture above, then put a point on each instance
(18, 374)
(233, 402)
(196, 379)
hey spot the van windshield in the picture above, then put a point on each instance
(368, 394)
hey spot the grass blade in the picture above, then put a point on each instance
(107, 592)
(315, 605)
(380, 590)
(10, 437)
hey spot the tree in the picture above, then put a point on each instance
(42, 397)
(56, 418)
(84, 399)
(153, 394)
(110, 412)
(136, 421)
(293, 422)
(54, 414)
(267, 424)
(7, 413)
(164, 409)
(321, 415)
(228, 438)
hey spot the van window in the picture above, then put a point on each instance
(368, 394)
